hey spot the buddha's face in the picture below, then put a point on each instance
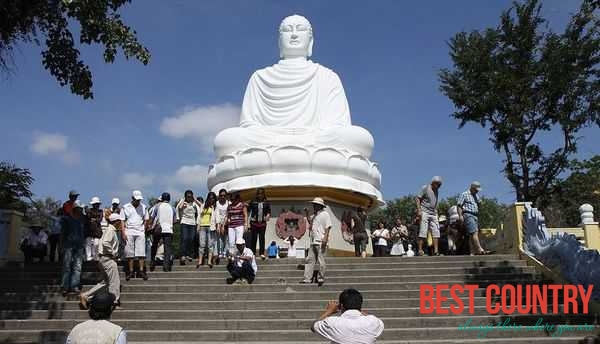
(295, 37)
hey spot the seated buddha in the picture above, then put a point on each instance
(295, 101)
(295, 128)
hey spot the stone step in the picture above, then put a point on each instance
(399, 263)
(496, 258)
(289, 302)
(413, 270)
(235, 324)
(526, 340)
(265, 294)
(167, 278)
(169, 336)
(150, 286)
(221, 314)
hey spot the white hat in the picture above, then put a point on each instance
(318, 200)
(115, 201)
(114, 217)
(476, 185)
(240, 241)
(436, 179)
(95, 200)
(78, 204)
(137, 194)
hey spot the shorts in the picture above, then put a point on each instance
(471, 223)
(135, 246)
(429, 222)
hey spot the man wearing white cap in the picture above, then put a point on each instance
(242, 265)
(319, 227)
(136, 218)
(115, 208)
(468, 212)
(108, 249)
(93, 229)
(427, 202)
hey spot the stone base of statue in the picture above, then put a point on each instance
(287, 209)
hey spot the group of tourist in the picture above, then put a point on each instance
(430, 232)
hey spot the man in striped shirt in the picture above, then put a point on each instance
(468, 212)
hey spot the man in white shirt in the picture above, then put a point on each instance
(136, 218)
(242, 266)
(99, 329)
(351, 327)
(163, 218)
(35, 243)
(320, 225)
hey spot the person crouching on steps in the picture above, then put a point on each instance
(108, 249)
(242, 265)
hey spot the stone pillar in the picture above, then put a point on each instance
(591, 229)
(10, 234)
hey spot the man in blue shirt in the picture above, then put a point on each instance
(468, 212)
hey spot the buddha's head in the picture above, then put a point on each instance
(295, 37)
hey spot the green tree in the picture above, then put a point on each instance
(403, 207)
(521, 82)
(561, 207)
(42, 209)
(15, 184)
(52, 21)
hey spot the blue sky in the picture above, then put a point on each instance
(151, 127)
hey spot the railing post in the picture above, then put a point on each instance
(10, 224)
(591, 229)
(510, 236)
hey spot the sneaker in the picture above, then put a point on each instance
(230, 280)
(305, 281)
(262, 256)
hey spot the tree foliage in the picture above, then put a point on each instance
(15, 183)
(51, 21)
(521, 82)
(42, 209)
(561, 207)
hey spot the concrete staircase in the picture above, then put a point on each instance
(189, 306)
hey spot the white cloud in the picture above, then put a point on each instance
(201, 123)
(134, 180)
(53, 144)
(191, 176)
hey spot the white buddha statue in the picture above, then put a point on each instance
(295, 102)
(295, 128)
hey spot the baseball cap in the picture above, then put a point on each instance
(115, 201)
(240, 241)
(436, 179)
(95, 200)
(476, 185)
(137, 194)
(73, 193)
